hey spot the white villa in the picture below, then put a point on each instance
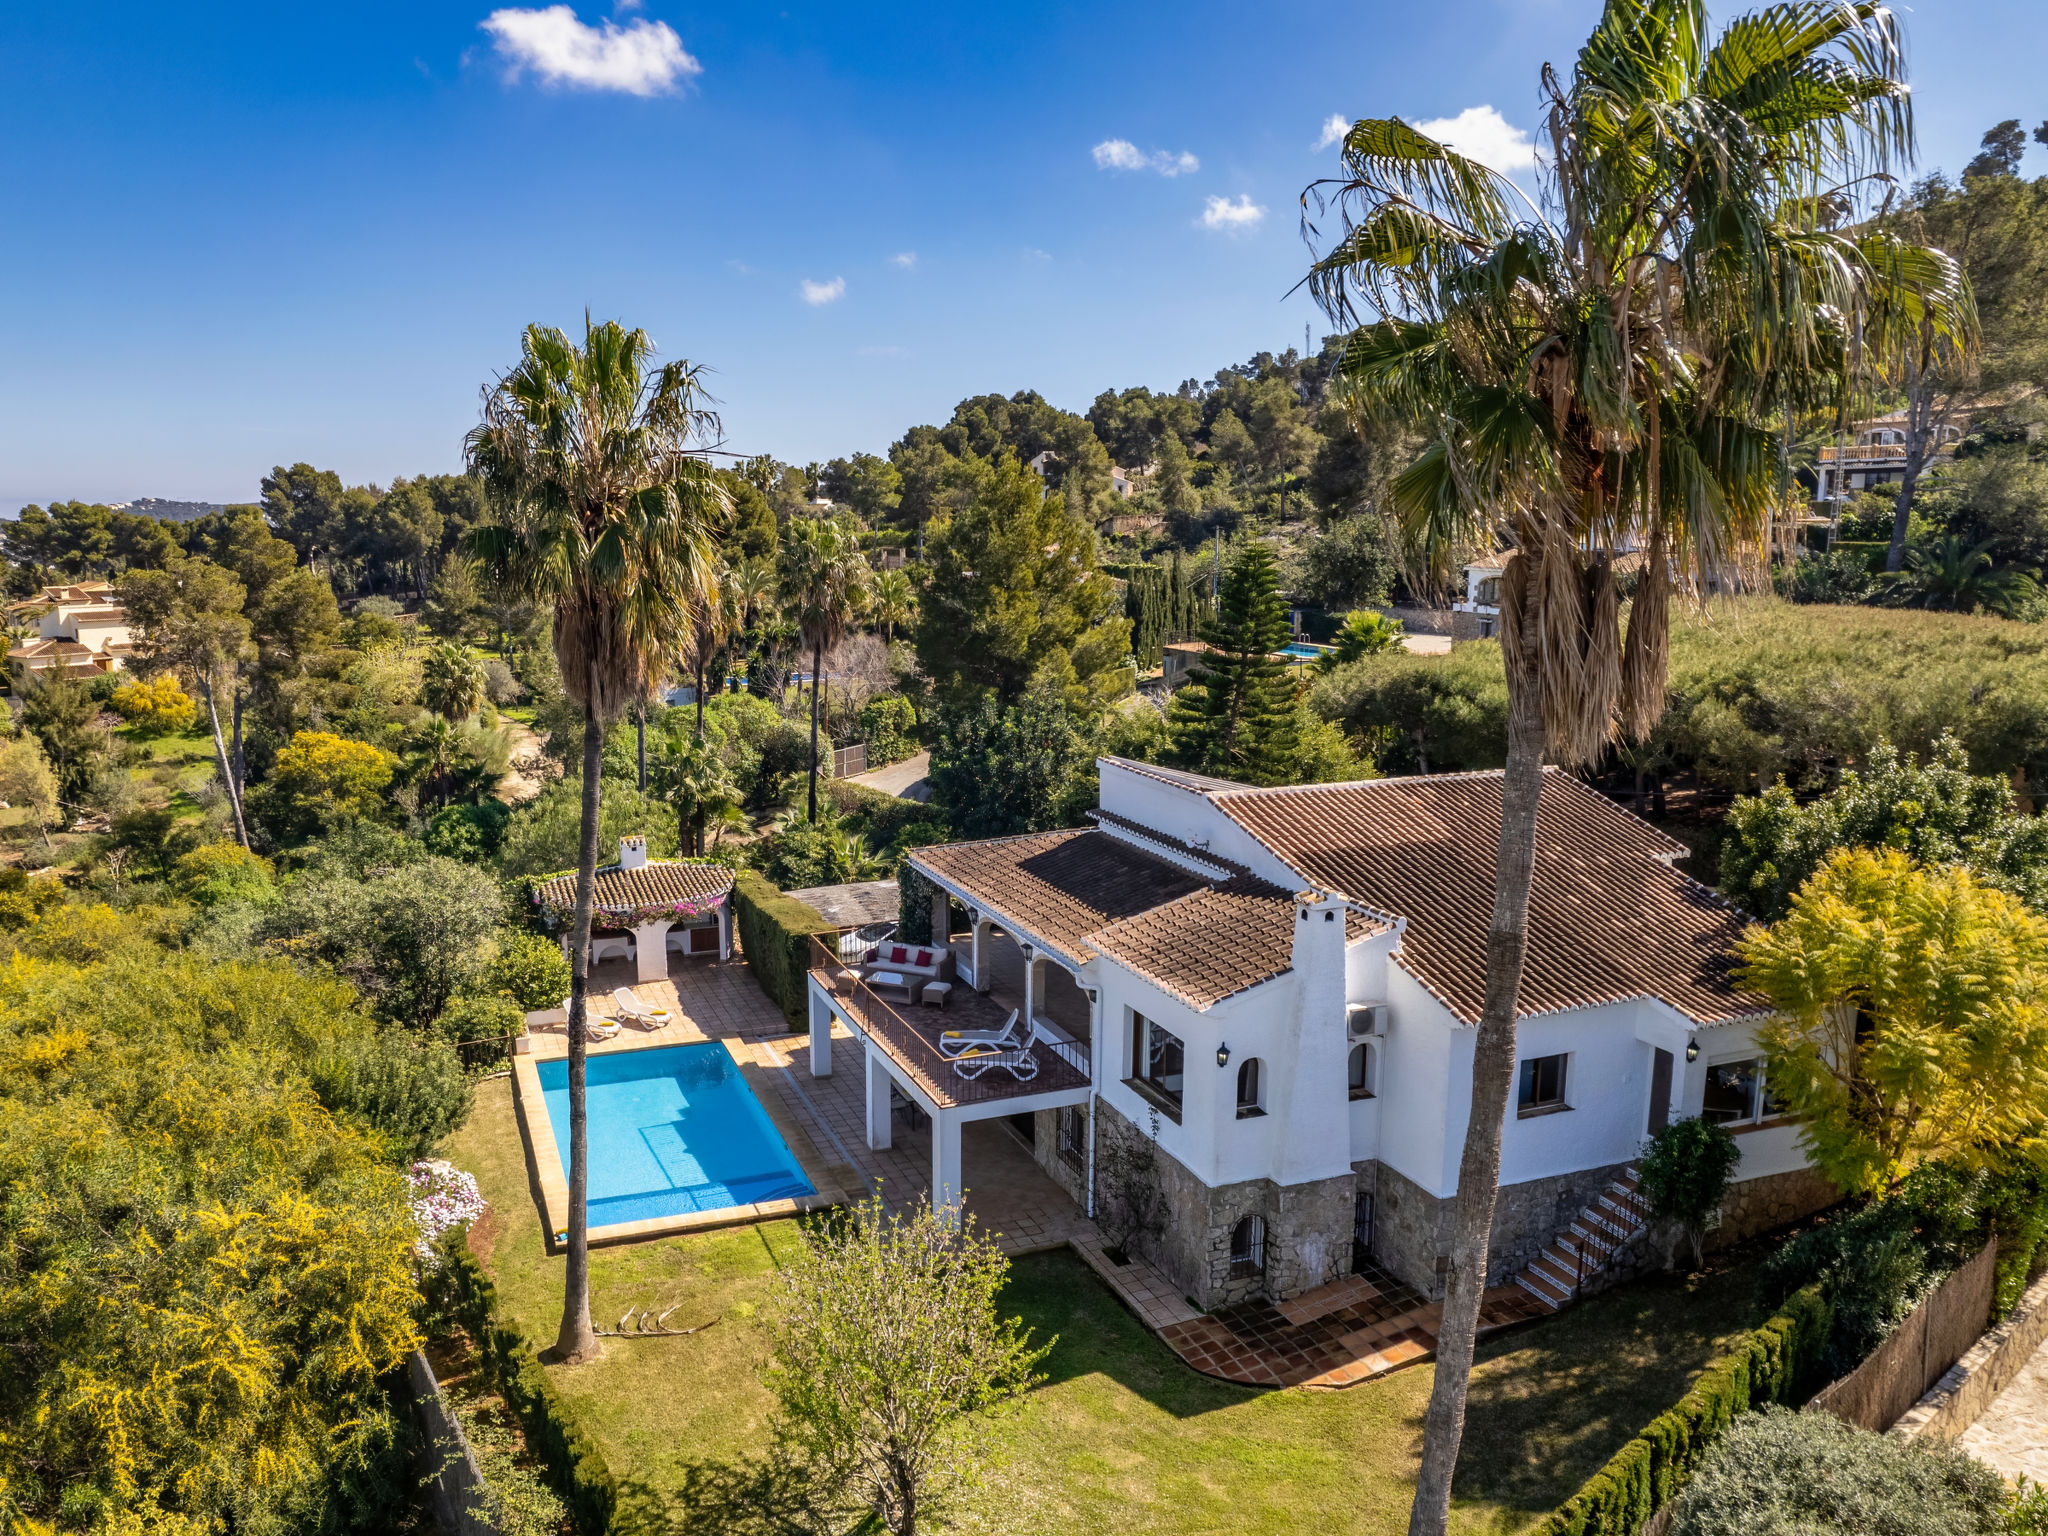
(643, 909)
(1876, 458)
(1281, 986)
(82, 631)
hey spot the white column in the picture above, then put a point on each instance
(981, 954)
(725, 929)
(650, 951)
(946, 1186)
(1034, 985)
(821, 1033)
(879, 1134)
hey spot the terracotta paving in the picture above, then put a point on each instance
(1341, 1334)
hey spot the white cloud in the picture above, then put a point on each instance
(1335, 126)
(1482, 134)
(642, 58)
(1033, 253)
(1222, 213)
(816, 294)
(1123, 155)
(904, 259)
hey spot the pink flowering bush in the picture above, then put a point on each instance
(443, 1198)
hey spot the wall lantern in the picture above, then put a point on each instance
(1223, 1054)
(1692, 1052)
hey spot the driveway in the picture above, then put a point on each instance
(906, 780)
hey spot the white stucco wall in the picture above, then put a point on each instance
(1190, 817)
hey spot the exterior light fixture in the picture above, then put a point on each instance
(1223, 1054)
(1692, 1051)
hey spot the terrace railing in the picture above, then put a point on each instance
(911, 1034)
(1875, 453)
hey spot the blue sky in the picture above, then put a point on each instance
(239, 236)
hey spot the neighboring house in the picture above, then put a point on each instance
(1281, 987)
(1178, 660)
(1477, 615)
(82, 631)
(1042, 464)
(1876, 458)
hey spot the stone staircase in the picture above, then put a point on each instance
(1585, 1248)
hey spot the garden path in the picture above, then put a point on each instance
(2012, 1436)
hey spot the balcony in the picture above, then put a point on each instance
(1878, 453)
(910, 1032)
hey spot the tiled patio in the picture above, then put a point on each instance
(1350, 1331)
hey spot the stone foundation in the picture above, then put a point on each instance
(1308, 1227)
(1071, 1176)
(1411, 1228)
(1775, 1200)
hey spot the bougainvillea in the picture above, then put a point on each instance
(443, 1198)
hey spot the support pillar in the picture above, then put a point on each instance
(725, 930)
(879, 1130)
(947, 1189)
(821, 1034)
(650, 951)
(981, 956)
(1034, 985)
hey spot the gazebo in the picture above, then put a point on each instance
(663, 903)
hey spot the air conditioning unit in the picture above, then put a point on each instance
(1365, 1020)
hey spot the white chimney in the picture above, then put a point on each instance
(632, 853)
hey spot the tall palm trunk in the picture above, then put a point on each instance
(227, 770)
(700, 701)
(1493, 1075)
(817, 677)
(578, 1340)
(640, 734)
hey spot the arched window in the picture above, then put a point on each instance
(1364, 1074)
(1248, 1247)
(1251, 1089)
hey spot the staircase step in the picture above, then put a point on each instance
(1536, 1288)
(1561, 1275)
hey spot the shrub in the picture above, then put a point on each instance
(888, 724)
(821, 852)
(413, 1094)
(530, 970)
(544, 835)
(1778, 1473)
(775, 935)
(155, 707)
(217, 873)
(1683, 1173)
(500, 686)
(471, 833)
(481, 1018)
(24, 898)
(321, 781)
(881, 816)
(1777, 1363)
(1423, 714)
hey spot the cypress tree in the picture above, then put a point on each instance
(1235, 718)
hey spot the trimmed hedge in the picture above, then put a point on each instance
(775, 934)
(1777, 1363)
(577, 1469)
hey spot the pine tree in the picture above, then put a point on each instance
(1236, 717)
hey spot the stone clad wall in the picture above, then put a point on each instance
(1775, 1200)
(1045, 1149)
(1411, 1228)
(1528, 1217)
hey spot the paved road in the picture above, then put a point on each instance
(2012, 1437)
(905, 779)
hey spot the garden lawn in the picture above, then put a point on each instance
(1121, 1437)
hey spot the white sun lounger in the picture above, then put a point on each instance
(1019, 1062)
(954, 1041)
(631, 1009)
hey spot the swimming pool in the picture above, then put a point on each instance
(1304, 651)
(673, 1130)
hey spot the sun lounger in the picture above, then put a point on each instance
(1019, 1062)
(631, 1009)
(954, 1041)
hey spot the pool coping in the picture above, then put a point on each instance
(551, 1184)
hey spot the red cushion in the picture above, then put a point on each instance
(924, 957)
(898, 953)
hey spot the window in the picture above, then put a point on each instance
(1736, 1094)
(1074, 1134)
(1250, 1090)
(1542, 1086)
(1157, 1059)
(1486, 629)
(1362, 1073)
(1488, 594)
(1248, 1248)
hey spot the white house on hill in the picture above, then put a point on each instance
(1281, 986)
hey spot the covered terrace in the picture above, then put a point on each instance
(645, 910)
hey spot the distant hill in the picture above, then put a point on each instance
(170, 511)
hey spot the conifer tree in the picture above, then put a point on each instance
(1235, 719)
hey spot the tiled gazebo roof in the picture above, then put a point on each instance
(654, 884)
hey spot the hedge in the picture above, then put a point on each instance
(775, 934)
(577, 1469)
(1777, 1363)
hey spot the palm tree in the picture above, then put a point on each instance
(434, 745)
(600, 500)
(1608, 373)
(895, 602)
(452, 682)
(716, 623)
(825, 582)
(690, 776)
(1960, 578)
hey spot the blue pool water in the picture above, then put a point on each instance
(1297, 648)
(672, 1130)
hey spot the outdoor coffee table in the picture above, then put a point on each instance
(893, 980)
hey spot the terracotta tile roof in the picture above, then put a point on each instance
(649, 885)
(1209, 944)
(1059, 886)
(1223, 868)
(1608, 919)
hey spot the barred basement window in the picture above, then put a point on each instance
(1073, 1134)
(1248, 1248)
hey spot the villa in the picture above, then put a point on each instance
(1280, 988)
(1877, 457)
(82, 631)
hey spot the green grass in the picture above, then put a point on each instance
(1121, 1438)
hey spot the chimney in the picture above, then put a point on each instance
(1315, 1142)
(632, 853)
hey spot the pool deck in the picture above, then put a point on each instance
(724, 1005)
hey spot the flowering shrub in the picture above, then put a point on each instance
(443, 1198)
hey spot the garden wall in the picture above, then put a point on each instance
(1970, 1386)
(1933, 1337)
(775, 937)
(457, 1487)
